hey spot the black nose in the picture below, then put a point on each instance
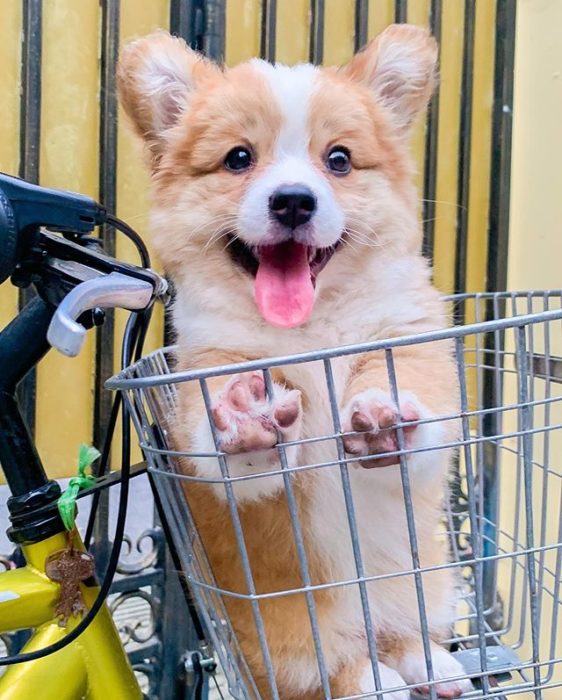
(292, 205)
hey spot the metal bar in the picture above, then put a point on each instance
(105, 342)
(214, 29)
(267, 40)
(526, 422)
(135, 581)
(124, 381)
(301, 554)
(361, 23)
(505, 556)
(181, 19)
(401, 11)
(431, 145)
(353, 529)
(492, 400)
(24, 336)
(30, 132)
(502, 122)
(546, 448)
(465, 141)
(244, 556)
(557, 586)
(411, 524)
(475, 535)
(31, 90)
(316, 31)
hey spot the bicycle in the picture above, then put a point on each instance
(45, 241)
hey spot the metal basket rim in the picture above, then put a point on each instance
(125, 379)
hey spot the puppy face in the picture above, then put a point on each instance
(271, 181)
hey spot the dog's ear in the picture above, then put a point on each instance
(399, 66)
(156, 78)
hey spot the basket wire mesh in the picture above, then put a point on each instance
(501, 518)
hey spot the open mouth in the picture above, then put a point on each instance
(285, 276)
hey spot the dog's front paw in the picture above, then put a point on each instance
(247, 420)
(445, 666)
(373, 416)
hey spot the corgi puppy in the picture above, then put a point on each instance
(284, 211)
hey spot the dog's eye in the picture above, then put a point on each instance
(338, 160)
(239, 158)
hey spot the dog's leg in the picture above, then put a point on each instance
(249, 425)
(357, 678)
(427, 389)
(411, 664)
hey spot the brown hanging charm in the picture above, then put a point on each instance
(69, 567)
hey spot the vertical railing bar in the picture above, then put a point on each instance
(546, 450)
(411, 524)
(108, 119)
(181, 19)
(520, 495)
(451, 526)
(502, 122)
(531, 397)
(301, 552)
(354, 531)
(479, 360)
(465, 142)
(431, 145)
(268, 26)
(517, 513)
(491, 467)
(544, 518)
(401, 11)
(243, 551)
(526, 426)
(497, 249)
(214, 17)
(476, 539)
(30, 135)
(531, 348)
(317, 12)
(557, 585)
(105, 341)
(361, 23)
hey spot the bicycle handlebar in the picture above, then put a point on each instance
(70, 271)
(108, 291)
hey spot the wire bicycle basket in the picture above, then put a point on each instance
(501, 517)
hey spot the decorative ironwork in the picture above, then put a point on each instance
(148, 558)
(143, 628)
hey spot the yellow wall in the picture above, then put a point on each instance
(10, 51)
(70, 145)
(535, 244)
(69, 158)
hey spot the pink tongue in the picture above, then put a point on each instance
(284, 291)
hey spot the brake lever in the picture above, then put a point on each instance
(108, 291)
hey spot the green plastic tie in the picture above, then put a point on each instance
(67, 500)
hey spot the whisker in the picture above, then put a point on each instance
(442, 201)
(361, 239)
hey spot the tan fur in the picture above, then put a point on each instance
(367, 108)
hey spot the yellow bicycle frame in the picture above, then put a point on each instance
(93, 667)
